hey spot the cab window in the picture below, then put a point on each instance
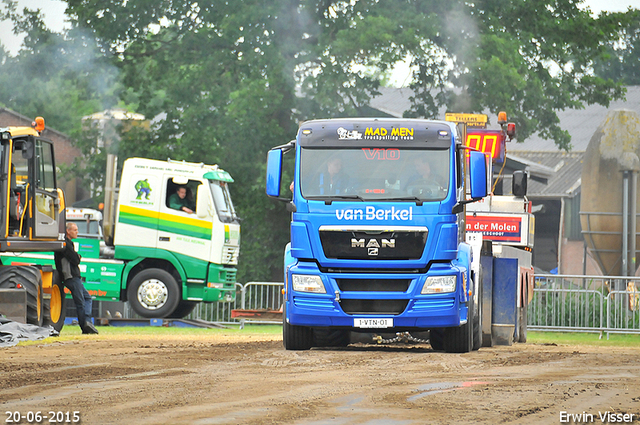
(182, 195)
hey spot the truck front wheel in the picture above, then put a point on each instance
(295, 337)
(460, 339)
(184, 309)
(330, 337)
(153, 293)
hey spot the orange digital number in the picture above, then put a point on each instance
(493, 139)
(473, 140)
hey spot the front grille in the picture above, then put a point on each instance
(229, 276)
(372, 244)
(435, 303)
(230, 254)
(373, 306)
(373, 285)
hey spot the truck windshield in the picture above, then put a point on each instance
(375, 174)
(87, 228)
(222, 200)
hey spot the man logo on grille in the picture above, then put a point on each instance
(373, 246)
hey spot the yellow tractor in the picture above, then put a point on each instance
(31, 220)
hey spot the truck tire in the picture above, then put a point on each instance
(460, 339)
(54, 308)
(29, 278)
(477, 316)
(184, 309)
(523, 318)
(331, 337)
(436, 339)
(153, 293)
(295, 337)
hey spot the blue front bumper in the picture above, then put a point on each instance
(416, 310)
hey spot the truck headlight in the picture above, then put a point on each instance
(308, 283)
(439, 284)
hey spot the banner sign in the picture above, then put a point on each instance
(497, 228)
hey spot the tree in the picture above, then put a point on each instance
(59, 76)
(622, 60)
(499, 58)
(216, 88)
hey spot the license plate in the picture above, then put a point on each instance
(372, 323)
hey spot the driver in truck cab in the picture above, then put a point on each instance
(422, 179)
(180, 201)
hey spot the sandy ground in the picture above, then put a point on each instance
(253, 380)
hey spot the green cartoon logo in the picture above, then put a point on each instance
(143, 188)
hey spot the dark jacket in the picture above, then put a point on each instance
(69, 252)
(178, 203)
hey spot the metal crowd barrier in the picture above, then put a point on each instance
(250, 297)
(219, 312)
(577, 303)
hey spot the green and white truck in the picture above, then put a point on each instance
(163, 261)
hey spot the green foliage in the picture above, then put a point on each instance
(621, 62)
(59, 77)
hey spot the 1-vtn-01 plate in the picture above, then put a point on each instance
(373, 323)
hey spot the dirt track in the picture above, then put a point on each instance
(148, 380)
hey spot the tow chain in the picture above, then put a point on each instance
(404, 337)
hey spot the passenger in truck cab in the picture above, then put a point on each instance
(180, 201)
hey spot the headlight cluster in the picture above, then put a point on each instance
(439, 284)
(307, 283)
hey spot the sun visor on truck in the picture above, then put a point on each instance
(219, 175)
(340, 133)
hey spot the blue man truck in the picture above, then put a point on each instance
(378, 231)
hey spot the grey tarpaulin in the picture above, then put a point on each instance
(13, 332)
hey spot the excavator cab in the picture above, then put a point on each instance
(31, 205)
(32, 219)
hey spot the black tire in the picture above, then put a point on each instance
(477, 317)
(436, 339)
(29, 278)
(460, 339)
(184, 309)
(153, 293)
(295, 337)
(523, 317)
(331, 337)
(54, 308)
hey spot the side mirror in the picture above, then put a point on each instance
(274, 172)
(477, 174)
(519, 184)
(28, 149)
(202, 201)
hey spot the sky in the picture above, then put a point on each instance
(53, 11)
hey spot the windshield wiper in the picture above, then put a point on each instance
(328, 199)
(403, 198)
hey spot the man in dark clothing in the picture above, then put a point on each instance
(67, 262)
(180, 201)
